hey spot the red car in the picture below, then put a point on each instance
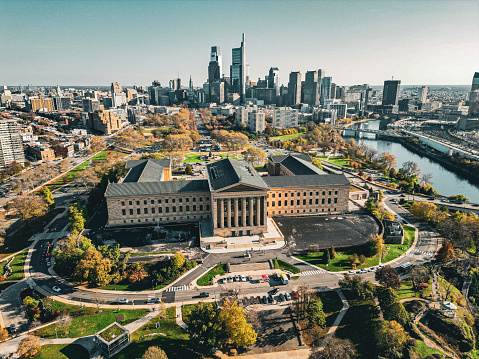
(294, 294)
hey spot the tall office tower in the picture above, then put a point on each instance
(311, 94)
(59, 91)
(218, 58)
(11, 148)
(273, 79)
(333, 90)
(247, 79)
(325, 89)
(294, 88)
(474, 96)
(237, 70)
(190, 84)
(475, 82)
(391, 92)
(175, 84)
(321, 74)
(422, 94)
(116, 88)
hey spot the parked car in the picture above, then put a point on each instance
(282, 297)
(294, 294)
(264, 300)
(204, 294)
(274, 291)
(250, 278)
(12, 328)
(230, 279)
(270, 299)
(56, 289)
(288, 296)
(123, 301)
(243, 278)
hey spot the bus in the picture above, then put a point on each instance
(284, 278)
(403, 268)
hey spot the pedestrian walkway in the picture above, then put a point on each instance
(312, 272)
(137, 324)
(176, 289)
(179, 318)
(429, 253)
(336, 323)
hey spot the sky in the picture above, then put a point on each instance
(96, 42)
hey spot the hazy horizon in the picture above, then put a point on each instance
(136, 42)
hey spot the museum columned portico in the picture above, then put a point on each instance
(239, 214)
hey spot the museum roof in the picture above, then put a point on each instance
(145, 170)
(228, 172)
(299, 166)
(306, 181)
(146, 188)
(280, 158)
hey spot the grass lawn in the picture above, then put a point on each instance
(406, 290)
(335, 160)
(279, 264)
(134, 287)
(20, 239)
(340, 263)
(287, 137)
(174, 342)
(62, 351)
(16, 265)
(208, 276)
(396, 250)
(87, 321)
(423, 350)
(359, 322)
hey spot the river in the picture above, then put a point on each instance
(443, 180)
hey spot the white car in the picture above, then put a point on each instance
(123, 301)
(56, 289)
(243, 278)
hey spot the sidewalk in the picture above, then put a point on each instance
(336, 323)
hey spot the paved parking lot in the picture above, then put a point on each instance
(324, 231)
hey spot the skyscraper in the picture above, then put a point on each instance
(391, 92)
(311, 94)
(218, 58)
(215, 66)
(325, 89)
(474, 96)
(11, 148)
(294, 88)
(116, 88)
(238, 71)
(422, 94)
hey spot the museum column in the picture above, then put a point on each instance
(222, 213)
(228, 212)
(235, 211)
(251, 211)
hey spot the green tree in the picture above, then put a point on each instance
(189, 169)
(327, 257)
(353, 258)
(47, 196)
(391, 306)
(93, 268)
(362, 258)
(204, 327)
(419, 275)
(332, 252)
(315, 313)
(154, 353)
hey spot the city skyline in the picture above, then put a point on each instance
(135, 43)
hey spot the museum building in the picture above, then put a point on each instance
(235, 199)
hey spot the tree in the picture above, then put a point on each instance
(388, 160)
(93, 268)
(315, 313)
(336, 349)
(424, 210)
(445, 252)
(14, 167)
(391, 306)
(88, 177)
(411, 168)
(253, 154)
(390, 335)
(204, 327)
(29, 347)
(419, 275)
(29, 207)
(47, 196)
(388, 277)
(376, 244)
(154, 353)
(97, 144)
(332, 252)
(180, 142)
(233, 318)
(3, 334)
(178, 260)
(327, 257)
(189, 170)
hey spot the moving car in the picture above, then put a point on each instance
(204, 294)
(123, 301)
(56, 289)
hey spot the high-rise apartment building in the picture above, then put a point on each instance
(285, 117)
(90, 105)
(422, 94)
(11, 148)
(105, 122)
(294, 88)
(238, 71)
(391, 92)
(273, 79)
(116, 87)
(44, 104)
(311, 93)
